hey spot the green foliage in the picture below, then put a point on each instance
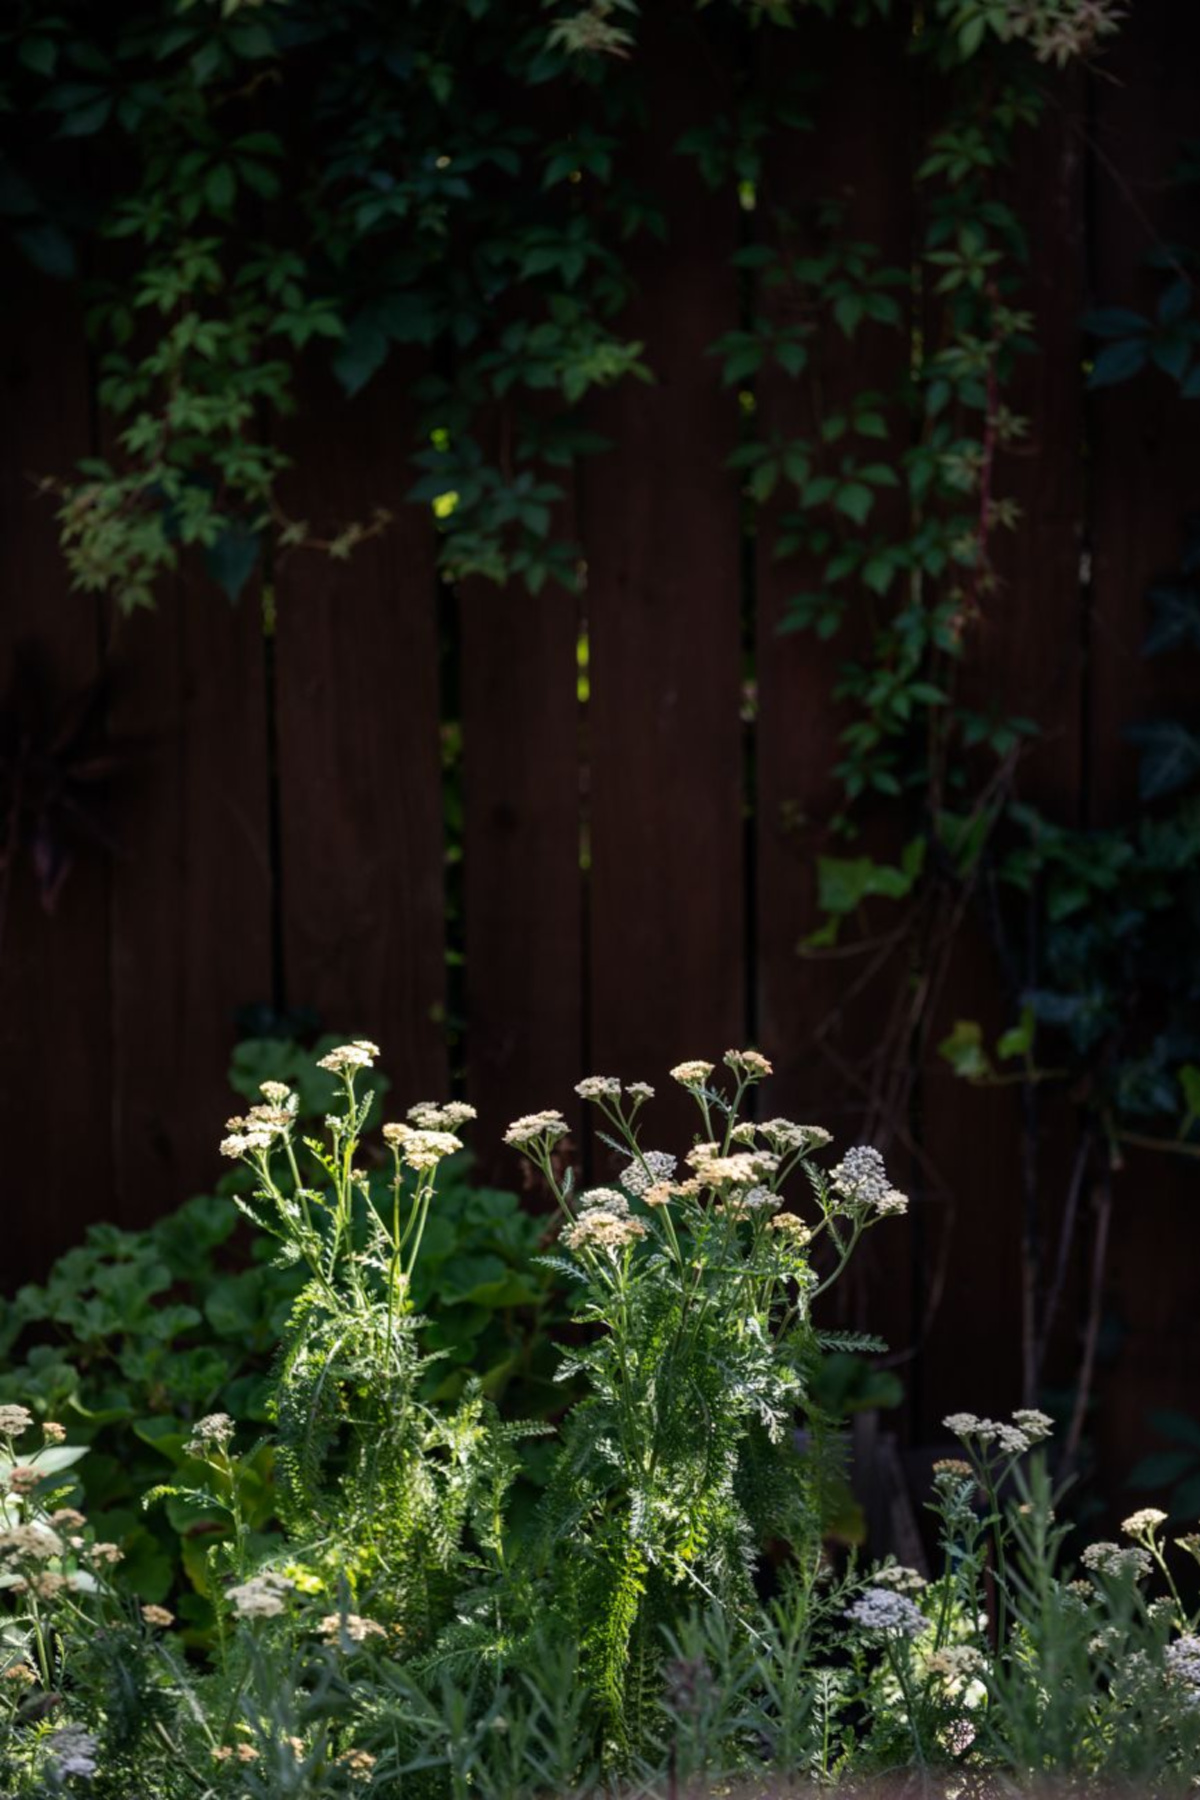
(136, 1335)
(400, 1637)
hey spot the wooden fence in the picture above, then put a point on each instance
(637, 867)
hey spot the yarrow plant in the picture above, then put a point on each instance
(408, 1633)
(697, 1287)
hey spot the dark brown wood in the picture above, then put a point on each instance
(1145, 485)
(55, 1052)
(358, 751)
(664, 614)
(191, 891)
(819, 1029)
(523, 885)
(1024, 658)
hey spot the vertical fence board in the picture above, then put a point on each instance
(54, 1014)
(191, 892)
(358, 751)
(1024, 658)
(522, 880)
(817, 1033)
(664, 613)
(1145, 486)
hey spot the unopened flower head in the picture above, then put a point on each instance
(751, 1065)
(691, 1074)
(277, 1092)
(53, 1432)
(213, 1432)
(539, 1127)
(598, 1087)
(650, 1167)
(861, 1180)
(158, 1616)
(14, 1420)
(1116, 1560)
(882, 1609)
(1143, 1523)
(360, 1053)
(1182, 1659)
(433, 1115)
(604, 1199)
(750, 1203)
(74, 1751)
(786, 1136)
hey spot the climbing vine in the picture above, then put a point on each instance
(257, 190)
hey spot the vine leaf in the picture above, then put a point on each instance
(1170, 756)
(1176, 618)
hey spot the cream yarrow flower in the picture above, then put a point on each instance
(434, 1115)
(352, 1625)
(691, 1074)
(600, 1229)
(530, 1127)
(598, 1087)
(419, 1148)
(639, 1091)
(158, 1616)
(751, 1065)
(360, 1053)
(262, 1597)
(14, 1420)
(1143, 1523)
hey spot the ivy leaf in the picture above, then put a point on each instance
(1176, 619)
(855, 500)
(48, 249)
(86, 121)
(1170, 756)
(231, 559)
(39, 54)
(963, 1050)
(361, 354)
(1018, 1040)
(1114, 322)
(1118, 362)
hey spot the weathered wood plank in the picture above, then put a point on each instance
(523, 887)
(191, 892)
(55, 1052)
(664, 611)
(359, 769)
